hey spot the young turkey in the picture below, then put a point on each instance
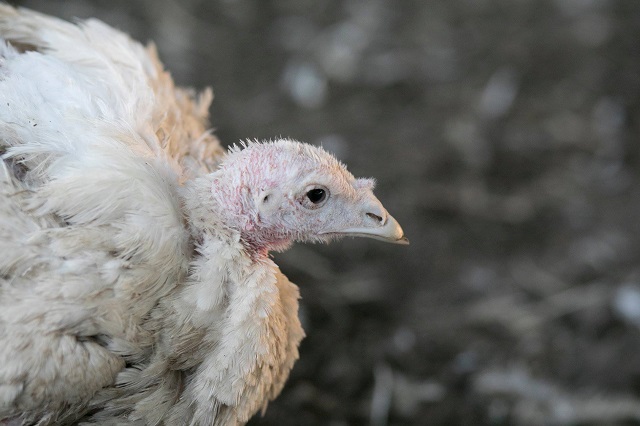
(135, 281)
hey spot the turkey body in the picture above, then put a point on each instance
(96, 142)
(135, 281)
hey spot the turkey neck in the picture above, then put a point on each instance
(221, 205)
(223, 260)
(221, 322)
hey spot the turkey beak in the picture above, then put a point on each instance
(388, 229)
(377, 223)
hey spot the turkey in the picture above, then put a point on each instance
(136, 285)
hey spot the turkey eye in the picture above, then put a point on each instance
(317, 195)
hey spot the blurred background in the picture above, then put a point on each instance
(504, 135)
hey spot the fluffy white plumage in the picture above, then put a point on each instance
(135, 282)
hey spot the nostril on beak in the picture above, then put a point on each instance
(377, 218)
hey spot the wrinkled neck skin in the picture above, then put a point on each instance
(222, 204)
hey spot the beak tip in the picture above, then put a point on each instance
(403, 241)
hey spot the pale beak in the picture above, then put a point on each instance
(377, 224)
(389, 231)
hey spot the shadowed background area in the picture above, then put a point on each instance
(504, 137)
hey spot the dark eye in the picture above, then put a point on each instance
(317, 195)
